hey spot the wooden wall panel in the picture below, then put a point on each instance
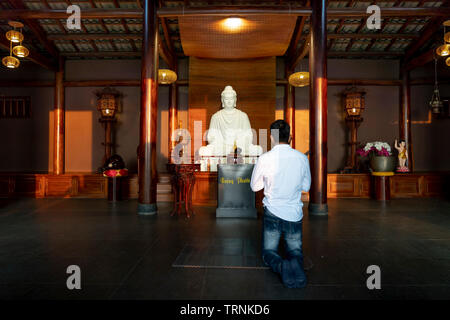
(92, 186)
(5, 186)
(205, 190)
(26, 185)
(433, 186)
(405, 186)
(60, 186)
(348, 186)
(253, 81)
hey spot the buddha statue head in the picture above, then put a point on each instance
(229, 98)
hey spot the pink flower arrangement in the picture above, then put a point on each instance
(377, 148)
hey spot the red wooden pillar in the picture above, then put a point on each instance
(318, 109)
(289, 108)
(149, 112)
(59, 121)
(173, 114)
(405, 117)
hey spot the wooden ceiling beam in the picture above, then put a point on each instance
(419, 61)
(303, 11)
(138, 36)
(96, 36)
(358, 30)
(167, 34)
(372, 35)
(429, 31)
(103, 54)
(301, 53)
(296, 38)
(172, 12)
(364, 53)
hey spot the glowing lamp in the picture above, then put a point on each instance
(10, 62)
(166, 76)
(443, 50)
(299, 79)
(21, 51)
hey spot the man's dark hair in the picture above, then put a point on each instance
(283, 129)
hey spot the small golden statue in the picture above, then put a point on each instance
(402, 156)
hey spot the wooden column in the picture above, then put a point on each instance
(289, 108)
(148, 116)
(173, 114)
(318, 109)
(405, 116)
(59, 121)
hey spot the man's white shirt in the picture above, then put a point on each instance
(284, 173)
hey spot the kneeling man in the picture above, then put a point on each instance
(284, 173)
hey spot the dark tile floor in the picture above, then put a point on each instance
(126, 256)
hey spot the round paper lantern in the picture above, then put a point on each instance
(299, 79)
(166, 76)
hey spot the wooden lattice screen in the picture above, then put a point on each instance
(15, 107)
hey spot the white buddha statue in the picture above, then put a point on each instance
(228, 128)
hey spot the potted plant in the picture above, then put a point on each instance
(380, 156)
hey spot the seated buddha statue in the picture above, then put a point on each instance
(229, 128)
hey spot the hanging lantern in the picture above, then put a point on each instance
(166, 76)
(299, 79)
(447, 37)
(436, 102)
(443, 50)
(14, 35)
(10, 62)
(354, 102)
(107, 102)
(447, 61)
(21, 51)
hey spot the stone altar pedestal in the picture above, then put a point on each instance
(235, 198)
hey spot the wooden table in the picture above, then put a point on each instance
(182, 180)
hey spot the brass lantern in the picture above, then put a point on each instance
(443, 50)
(14, 35)
(299, 79)
(21, 51)
(10, 62)
(447, 37)
(107, 102)
(166, 76)
(354, 102)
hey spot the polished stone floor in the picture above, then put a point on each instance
(126, 256)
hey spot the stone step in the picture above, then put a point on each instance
(164, 178)
(164, 197)
(163, 188)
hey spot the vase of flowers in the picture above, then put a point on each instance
(380, 156)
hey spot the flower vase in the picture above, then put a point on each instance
(382, 163)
